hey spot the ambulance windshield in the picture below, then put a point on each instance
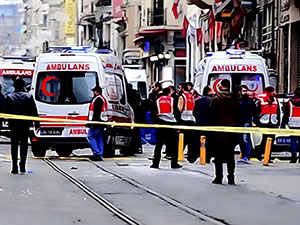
(64, 87)
(254, 82)
(7, 83)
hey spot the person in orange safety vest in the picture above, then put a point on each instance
(268, 116)
(97, 112)
(291, 118)
(165, 115)
(186, 104)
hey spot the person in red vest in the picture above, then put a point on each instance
(165, 115)
(97, 112)
(268, 116)
(291, 118)
(186, 104)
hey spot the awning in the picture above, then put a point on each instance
(153, 33)
(89, 19)
(138, 39)
(203, 4)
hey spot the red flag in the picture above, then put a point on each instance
(185, 27)
(219, 29)
(199, 36)
(174, 8)
(211, 25)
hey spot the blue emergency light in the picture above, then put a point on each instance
(69, 49)
(235, 53)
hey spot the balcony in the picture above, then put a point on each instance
(157, 17)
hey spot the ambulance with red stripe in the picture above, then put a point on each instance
(61, 87)
(11, 68)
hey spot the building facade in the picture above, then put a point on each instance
(49, 23)
(288, 57)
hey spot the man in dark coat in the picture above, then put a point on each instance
(202, 119)
(2, 106)
(224, 111)
(248, 113)
(20, 103)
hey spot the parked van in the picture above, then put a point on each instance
(11, 68)
(137, 76)
(61, 87)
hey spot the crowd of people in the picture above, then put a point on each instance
(185, 106)
(181, 106)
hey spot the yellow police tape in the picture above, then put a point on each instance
(292, 132)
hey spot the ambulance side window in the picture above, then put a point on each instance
(82, 85)
(115, 89)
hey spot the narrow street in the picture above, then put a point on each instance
(122, 190)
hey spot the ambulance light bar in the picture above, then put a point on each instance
(208, 54)
(235, 53)
(68, 49)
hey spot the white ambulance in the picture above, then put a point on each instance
(62, 85)
(11, 68)
(238, 66)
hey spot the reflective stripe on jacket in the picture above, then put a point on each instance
(268, 112)
(188, 107)
(165, 108)
(103, 114)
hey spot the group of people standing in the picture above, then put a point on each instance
(185, 106)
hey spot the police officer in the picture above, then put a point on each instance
(97, 112)
(20, 103)
(186, 104)
(291, 118)
(165, 136)
(268, 115)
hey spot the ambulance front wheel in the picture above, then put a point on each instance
(38, 150)
(63, 151)
(109, 147)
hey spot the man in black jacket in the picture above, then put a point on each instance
(20, 103)
(248, 111)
